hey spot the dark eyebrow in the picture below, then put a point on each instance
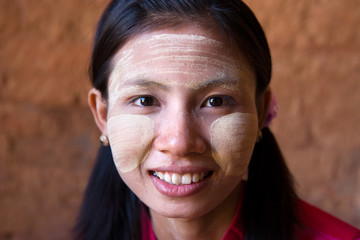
(146, 83)
(218, 82)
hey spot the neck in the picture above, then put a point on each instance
(212, 225)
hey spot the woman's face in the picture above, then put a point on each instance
(181, 119)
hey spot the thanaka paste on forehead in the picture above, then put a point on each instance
(125, 69)
(190, 37)
(127, 51)
(173, 49)
(130, 139)
(179, 38)
(232, 139)
(125, 55)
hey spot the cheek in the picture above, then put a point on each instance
(130, 138)
(233, 138)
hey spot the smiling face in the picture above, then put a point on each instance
(181, 119)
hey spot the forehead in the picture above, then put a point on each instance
(192, 34)
(170, 54)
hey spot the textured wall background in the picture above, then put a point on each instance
(48, 140)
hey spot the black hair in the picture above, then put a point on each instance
(269, 210)
(110, 209)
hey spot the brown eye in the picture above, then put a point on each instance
(216, 101)
(144, 101)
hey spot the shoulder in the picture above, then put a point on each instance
(319, 225)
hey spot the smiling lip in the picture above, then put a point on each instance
(170, 189)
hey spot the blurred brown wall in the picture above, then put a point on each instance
(48, 140)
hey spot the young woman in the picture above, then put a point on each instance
(182, 100)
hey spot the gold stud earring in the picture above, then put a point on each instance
(104, 140)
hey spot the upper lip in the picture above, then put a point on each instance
(181, 169)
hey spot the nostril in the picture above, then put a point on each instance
(178, 133)
(180, 143)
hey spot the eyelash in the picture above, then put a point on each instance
(224, 101)
(152, 101)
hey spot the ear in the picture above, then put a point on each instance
(99, 109)
(263, 104)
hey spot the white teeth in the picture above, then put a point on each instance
(167, 178)
(175, 178)
(196, 177)
(160, 175)
(186, 179)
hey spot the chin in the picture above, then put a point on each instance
(183, 210)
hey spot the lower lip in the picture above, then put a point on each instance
(172, 190)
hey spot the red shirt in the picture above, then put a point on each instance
(319, 225)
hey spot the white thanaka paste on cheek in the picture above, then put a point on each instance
(130, 139)
(233, 139)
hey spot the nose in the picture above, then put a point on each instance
(179, 134)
